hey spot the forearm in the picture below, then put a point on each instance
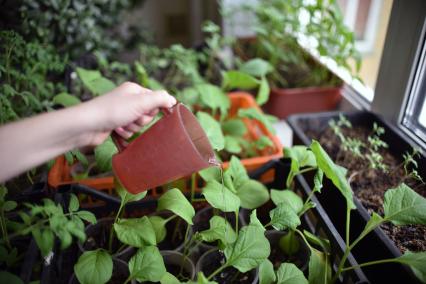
(33, 141)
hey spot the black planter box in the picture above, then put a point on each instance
(316, 219)
(377, 245)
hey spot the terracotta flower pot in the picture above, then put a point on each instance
(284, 102)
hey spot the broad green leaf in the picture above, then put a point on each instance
(212, 129)
(315, 240)
(252, 194)
(284, 217)
(263, 142)
(135, 232)
(237, 172)
(169, 278)
(374, 222)
(404, 206)
(9, 205)
(319, 268)
(147, 265)
(44, 239)
(234, 127)
(213, 97)
(9, 278)
(263, 92)
(94, 81)
(188, 96)
(289, 197)
(159, 226)
(238, 80)
(126, 196)
(232, 145)
(300, 157)
(333, 172)
(289, 243)
(94, 267)
(266, 272)
(212, 173)
(175, 201)
(220, 230)
(251, 247)
(74, 204)
(256, 67)
(254, 113)
(103, 155)
(87, 216)
(288, 273)
(416, 261)
(220, 197)
(65, 99)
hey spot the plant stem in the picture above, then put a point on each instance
(236, 221)
(267, 225)
(186, 247)
(348, 224)
(198, 200)
(217, 271)
(370, 263)
(128, 279)
(4, 229)
(170, 218)
(111, 232)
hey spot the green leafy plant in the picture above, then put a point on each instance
(278, 33)
(73, 27)
(355, 148)
(27, 76)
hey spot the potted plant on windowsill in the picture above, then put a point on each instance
(299, 83)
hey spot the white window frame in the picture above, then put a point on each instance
(399, 75)
(366, 45)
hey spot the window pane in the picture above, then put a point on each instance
(368, 19)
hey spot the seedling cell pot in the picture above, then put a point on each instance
(173, 261)
(376, 245)
(300, 258)
(284, 102)
(212, 259)
(60, 173)
(98, 236)
(120, 272)
(176, 226)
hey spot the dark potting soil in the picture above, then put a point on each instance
(119, 276)
(228, 275)
(182, 275)
(370, 185)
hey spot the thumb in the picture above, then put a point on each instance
(159, 99)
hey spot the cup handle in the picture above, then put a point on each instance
(118, 141)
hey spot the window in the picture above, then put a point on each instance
(368, 19)
(414, 115)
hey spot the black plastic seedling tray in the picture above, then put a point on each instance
(317, 221)
(376, 245)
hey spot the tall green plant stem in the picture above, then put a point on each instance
(348, 250)
(369, 263)
(217, 271)
(4, 229)
(111, 232)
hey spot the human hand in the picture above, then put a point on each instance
(125, 110)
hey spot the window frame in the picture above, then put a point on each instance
(398, 68)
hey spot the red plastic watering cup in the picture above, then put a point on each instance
(174, 147)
